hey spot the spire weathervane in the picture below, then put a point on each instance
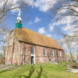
(19, 15)
(19, 20)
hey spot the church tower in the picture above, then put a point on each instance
(19, 20)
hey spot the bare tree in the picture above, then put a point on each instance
(4, 33)
(70, 44)
(65, 8)
(5, 7)
(69, 5)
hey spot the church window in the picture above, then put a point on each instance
(52, 52)
(44, 52)
(32, 50)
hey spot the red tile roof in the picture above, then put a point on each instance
(32, 37)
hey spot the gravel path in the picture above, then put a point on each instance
(74, 70)
(8, 67)
(5, 67)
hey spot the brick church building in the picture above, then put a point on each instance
(28, 47)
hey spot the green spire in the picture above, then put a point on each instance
(19, 20)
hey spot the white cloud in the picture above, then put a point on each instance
(68, 27)
(69, 24)
(62, 11)
(15, 10)
(6, 36)
(16, 3)
(30, 22)
(66, 24)
(41, 30)
(29, 2)
(13, 3)
(1, 3)
(64, 20)
(44, 5)
(51, 28)
(49, 35)
(37, 19)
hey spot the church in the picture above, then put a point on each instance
(28, 47)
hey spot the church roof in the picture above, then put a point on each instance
(32, 37)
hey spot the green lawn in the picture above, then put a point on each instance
(45, 70)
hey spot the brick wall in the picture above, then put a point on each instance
(19, 53)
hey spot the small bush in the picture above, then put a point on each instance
(74, 65)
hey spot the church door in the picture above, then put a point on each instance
(32, 59)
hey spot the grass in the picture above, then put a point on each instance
(45, 70)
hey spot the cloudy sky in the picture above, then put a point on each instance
(39, 16)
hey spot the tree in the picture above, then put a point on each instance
(67, 5)
(7, 6)
(10, 5)
(4, 33)
(70, 45)
(62, 10)
(75, 0)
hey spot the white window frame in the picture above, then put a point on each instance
(52, 52)
(33, 54)
(33, 50)
(44, 50)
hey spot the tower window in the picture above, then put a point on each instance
(32, 50)
(44, 52)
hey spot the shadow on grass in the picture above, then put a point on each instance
(40, 72)
(31, 71)
(9, 69)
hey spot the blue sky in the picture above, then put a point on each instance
(33, 19)
(38, 17)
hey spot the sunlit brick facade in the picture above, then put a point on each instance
(19, 52)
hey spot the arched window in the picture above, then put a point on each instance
(44, 52)
(52, 52)
(32, 50)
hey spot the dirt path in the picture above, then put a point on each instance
(5, 67)
(8, 67)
